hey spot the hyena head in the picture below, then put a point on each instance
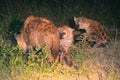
(82, 22)
(65, 32)
(20, 41)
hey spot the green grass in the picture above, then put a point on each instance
(87, 65)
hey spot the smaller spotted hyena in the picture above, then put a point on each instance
(39, 31)
(94, 31)
(66, 39)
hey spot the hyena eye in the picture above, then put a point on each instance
(64, 33)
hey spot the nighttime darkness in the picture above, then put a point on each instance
(59, 40)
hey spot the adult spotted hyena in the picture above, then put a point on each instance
(66, 39)
(39, 31)
(94, 31)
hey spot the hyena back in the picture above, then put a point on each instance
(39, 31)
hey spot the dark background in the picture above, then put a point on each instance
(14, 12)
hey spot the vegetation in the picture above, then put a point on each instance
(88, 65)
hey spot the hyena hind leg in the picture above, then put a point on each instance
(66, 56)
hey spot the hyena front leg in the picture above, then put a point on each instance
(68, 59)
(62, 55)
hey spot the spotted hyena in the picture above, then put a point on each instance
(39, 31)
(94, 31)
(66, 39)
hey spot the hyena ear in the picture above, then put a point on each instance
(15, 35)
(73, 29)
(83, 19)
(75, 19)
(59, 28)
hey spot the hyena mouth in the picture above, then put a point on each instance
(82, 31)
(77, 26)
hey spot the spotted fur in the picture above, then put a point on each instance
(94, 30)
(39, 31)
